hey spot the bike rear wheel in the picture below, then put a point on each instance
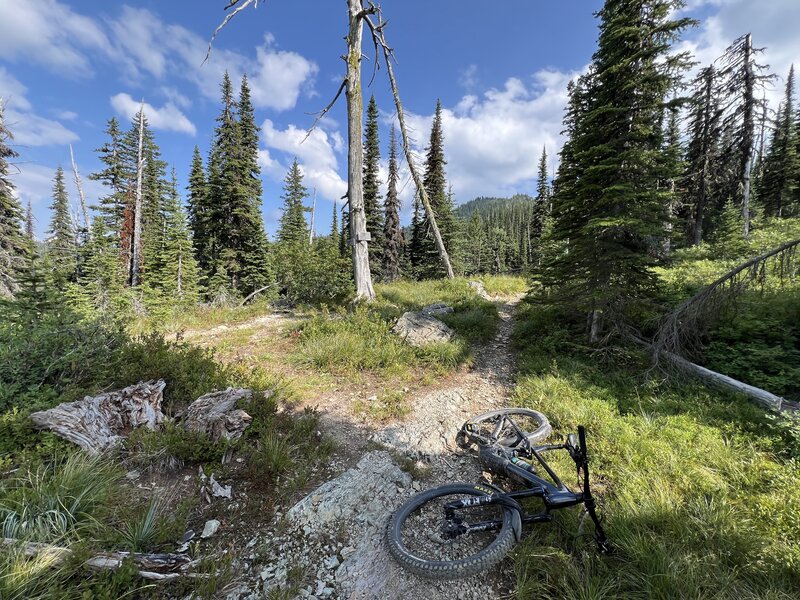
(417, 534)
(500, 426)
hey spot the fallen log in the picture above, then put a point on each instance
(761, 397)
(155, 567)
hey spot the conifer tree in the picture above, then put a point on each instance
(100, 288)
(61, 243)
(393, 234)
(541, 206)
(609, 208)
(372, 193)
(293, 231)
(416, 249)
(475, 254)
(116, 176)
(780, 181)
(13, 243)
(177, 275)
(198, 213)
(435, 182)
(29, 225)
(335, 233)
(674, 168)
(252, 254)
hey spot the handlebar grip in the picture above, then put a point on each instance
(582, 439)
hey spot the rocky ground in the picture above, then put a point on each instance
(330, 544)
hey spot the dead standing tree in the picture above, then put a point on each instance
(359, 13)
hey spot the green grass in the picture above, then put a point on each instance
(362, 342)
(386, 406)
(699, 490)
(505, 285)
(201, 316)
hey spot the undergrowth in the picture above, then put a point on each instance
(698, 488)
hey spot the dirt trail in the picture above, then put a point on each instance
(334, 536)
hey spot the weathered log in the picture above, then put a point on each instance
(99, 422)
(757, 395)
(216, 415)
(156, 567)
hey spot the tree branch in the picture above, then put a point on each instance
(227, 19)
(325, 110)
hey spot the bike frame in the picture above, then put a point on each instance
(554, 493)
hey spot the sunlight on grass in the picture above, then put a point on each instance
(505, 285)
(695, 498)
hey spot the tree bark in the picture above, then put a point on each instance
(78, 185)
(359, 238)
(313, 213)
(136, 252)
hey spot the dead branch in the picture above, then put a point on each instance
(325, 110)
(227, 20)
(252, 295)
(388, 55)
(681, 329)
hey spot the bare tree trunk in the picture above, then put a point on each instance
(437, 236)
(359, 237)
(136, 253)
(79, 185)
(749, 125)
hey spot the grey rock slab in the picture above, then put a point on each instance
(419, 329)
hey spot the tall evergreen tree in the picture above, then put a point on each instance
(61, 244)
(29, 223)
(252, 252)
(199, 212)
(100, 284)
(293, 229)
(116, 176)
(780, 181)
(372, 192)
(392, 232)
(541, 207)
(177, 274)
(674, 167)
(13, 243)
(335, 232)
(609, 208)
(416, 243)
(435, 182)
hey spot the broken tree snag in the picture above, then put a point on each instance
(355, 153)
(681, 329)
(216, 415)
(99, 422)
(380, 40)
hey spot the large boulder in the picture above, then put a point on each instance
(216, 415)
(419, 329)
(99, 422)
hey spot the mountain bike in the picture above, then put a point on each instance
(462, 529)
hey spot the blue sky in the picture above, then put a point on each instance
(67, 66)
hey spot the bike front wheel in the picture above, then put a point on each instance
(426, 542)
(505, 427)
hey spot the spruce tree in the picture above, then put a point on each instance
(13, 243)
(416, 244)
(609, 208)
(781, 178)
(198, 213)
(29, 224)
(100, 288)
(116, 176)
(252, 250)
(674, 167)
(372, 193)
(61, 244)
(475, 253)
(335, 233)
(293, 230)
(541, 206)
(392, 232)
(435, 182)
(177, 275)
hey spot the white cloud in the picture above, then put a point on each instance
(29, 129)
(316, 156)
(773, 25)
(468, 78)
(50, 33)
(67, 115)
(148, 46)
(493, 142)
(168, 118)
